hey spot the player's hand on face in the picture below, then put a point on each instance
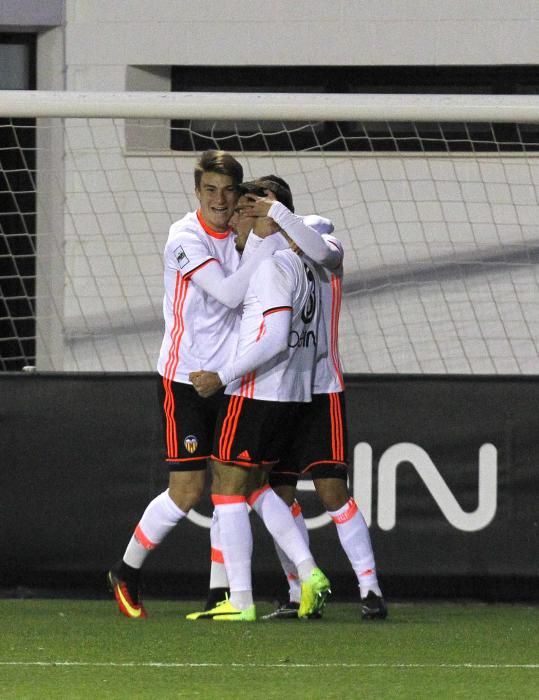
(259, 206)
(205, 383)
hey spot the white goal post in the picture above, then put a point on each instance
(442, 244)
(265, 106)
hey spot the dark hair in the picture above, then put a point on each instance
(277, 179)
(218, 162)
(258, 187)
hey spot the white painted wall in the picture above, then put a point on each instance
(102, 36)
(117, 209)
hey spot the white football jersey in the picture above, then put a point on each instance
(199, 330)
(328, 376)
(284, 281)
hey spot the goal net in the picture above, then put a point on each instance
(436, 201)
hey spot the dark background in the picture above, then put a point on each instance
(80, 458)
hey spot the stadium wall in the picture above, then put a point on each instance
(92, 45)
(103, 38)
(444, 470)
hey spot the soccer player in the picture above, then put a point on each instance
(242, 223)
(204, 287)
(323, 424)
(268, 382)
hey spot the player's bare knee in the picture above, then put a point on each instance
(287, 493)
(229, 479)
(332, 492)
(186, 488)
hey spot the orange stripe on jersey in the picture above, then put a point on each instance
(217, 556)
(348, 513)
(336, 298)
(247, 387)
(180, 293)
(230, 424)
(220, 500)
(144, 541)
(261, 331)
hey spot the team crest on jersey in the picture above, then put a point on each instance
(191, 444)
(181, 257)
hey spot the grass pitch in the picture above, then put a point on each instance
(84, 649)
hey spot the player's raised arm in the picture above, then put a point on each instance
(318, 248)
(230, 290)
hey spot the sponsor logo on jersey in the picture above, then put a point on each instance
(302, 340)
(190, 444)
(308, 311)
(181, 257)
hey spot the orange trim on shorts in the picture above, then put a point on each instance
(170, 419)
(144, 541)
(348, 513)
(246, 465)
(185, 459)
(216, 555)
(251, 500)
(337, 432)
(180, 293)
(229, 427)
(220, 500)
(308, 468)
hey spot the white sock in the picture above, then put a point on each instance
(218, 577)
(237, 547)
(160, 516)
(290, 571)
(282, 527)
(356, 542)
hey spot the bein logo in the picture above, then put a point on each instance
(478, 519)
(441, 493)
(409, 452)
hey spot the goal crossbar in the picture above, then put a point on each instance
(261, 106)
(435, 198)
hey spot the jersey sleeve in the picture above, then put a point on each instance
(319, 223)
(273, 286)
(307, 238)
(188, 253)
(274, 289)
(207, 273)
